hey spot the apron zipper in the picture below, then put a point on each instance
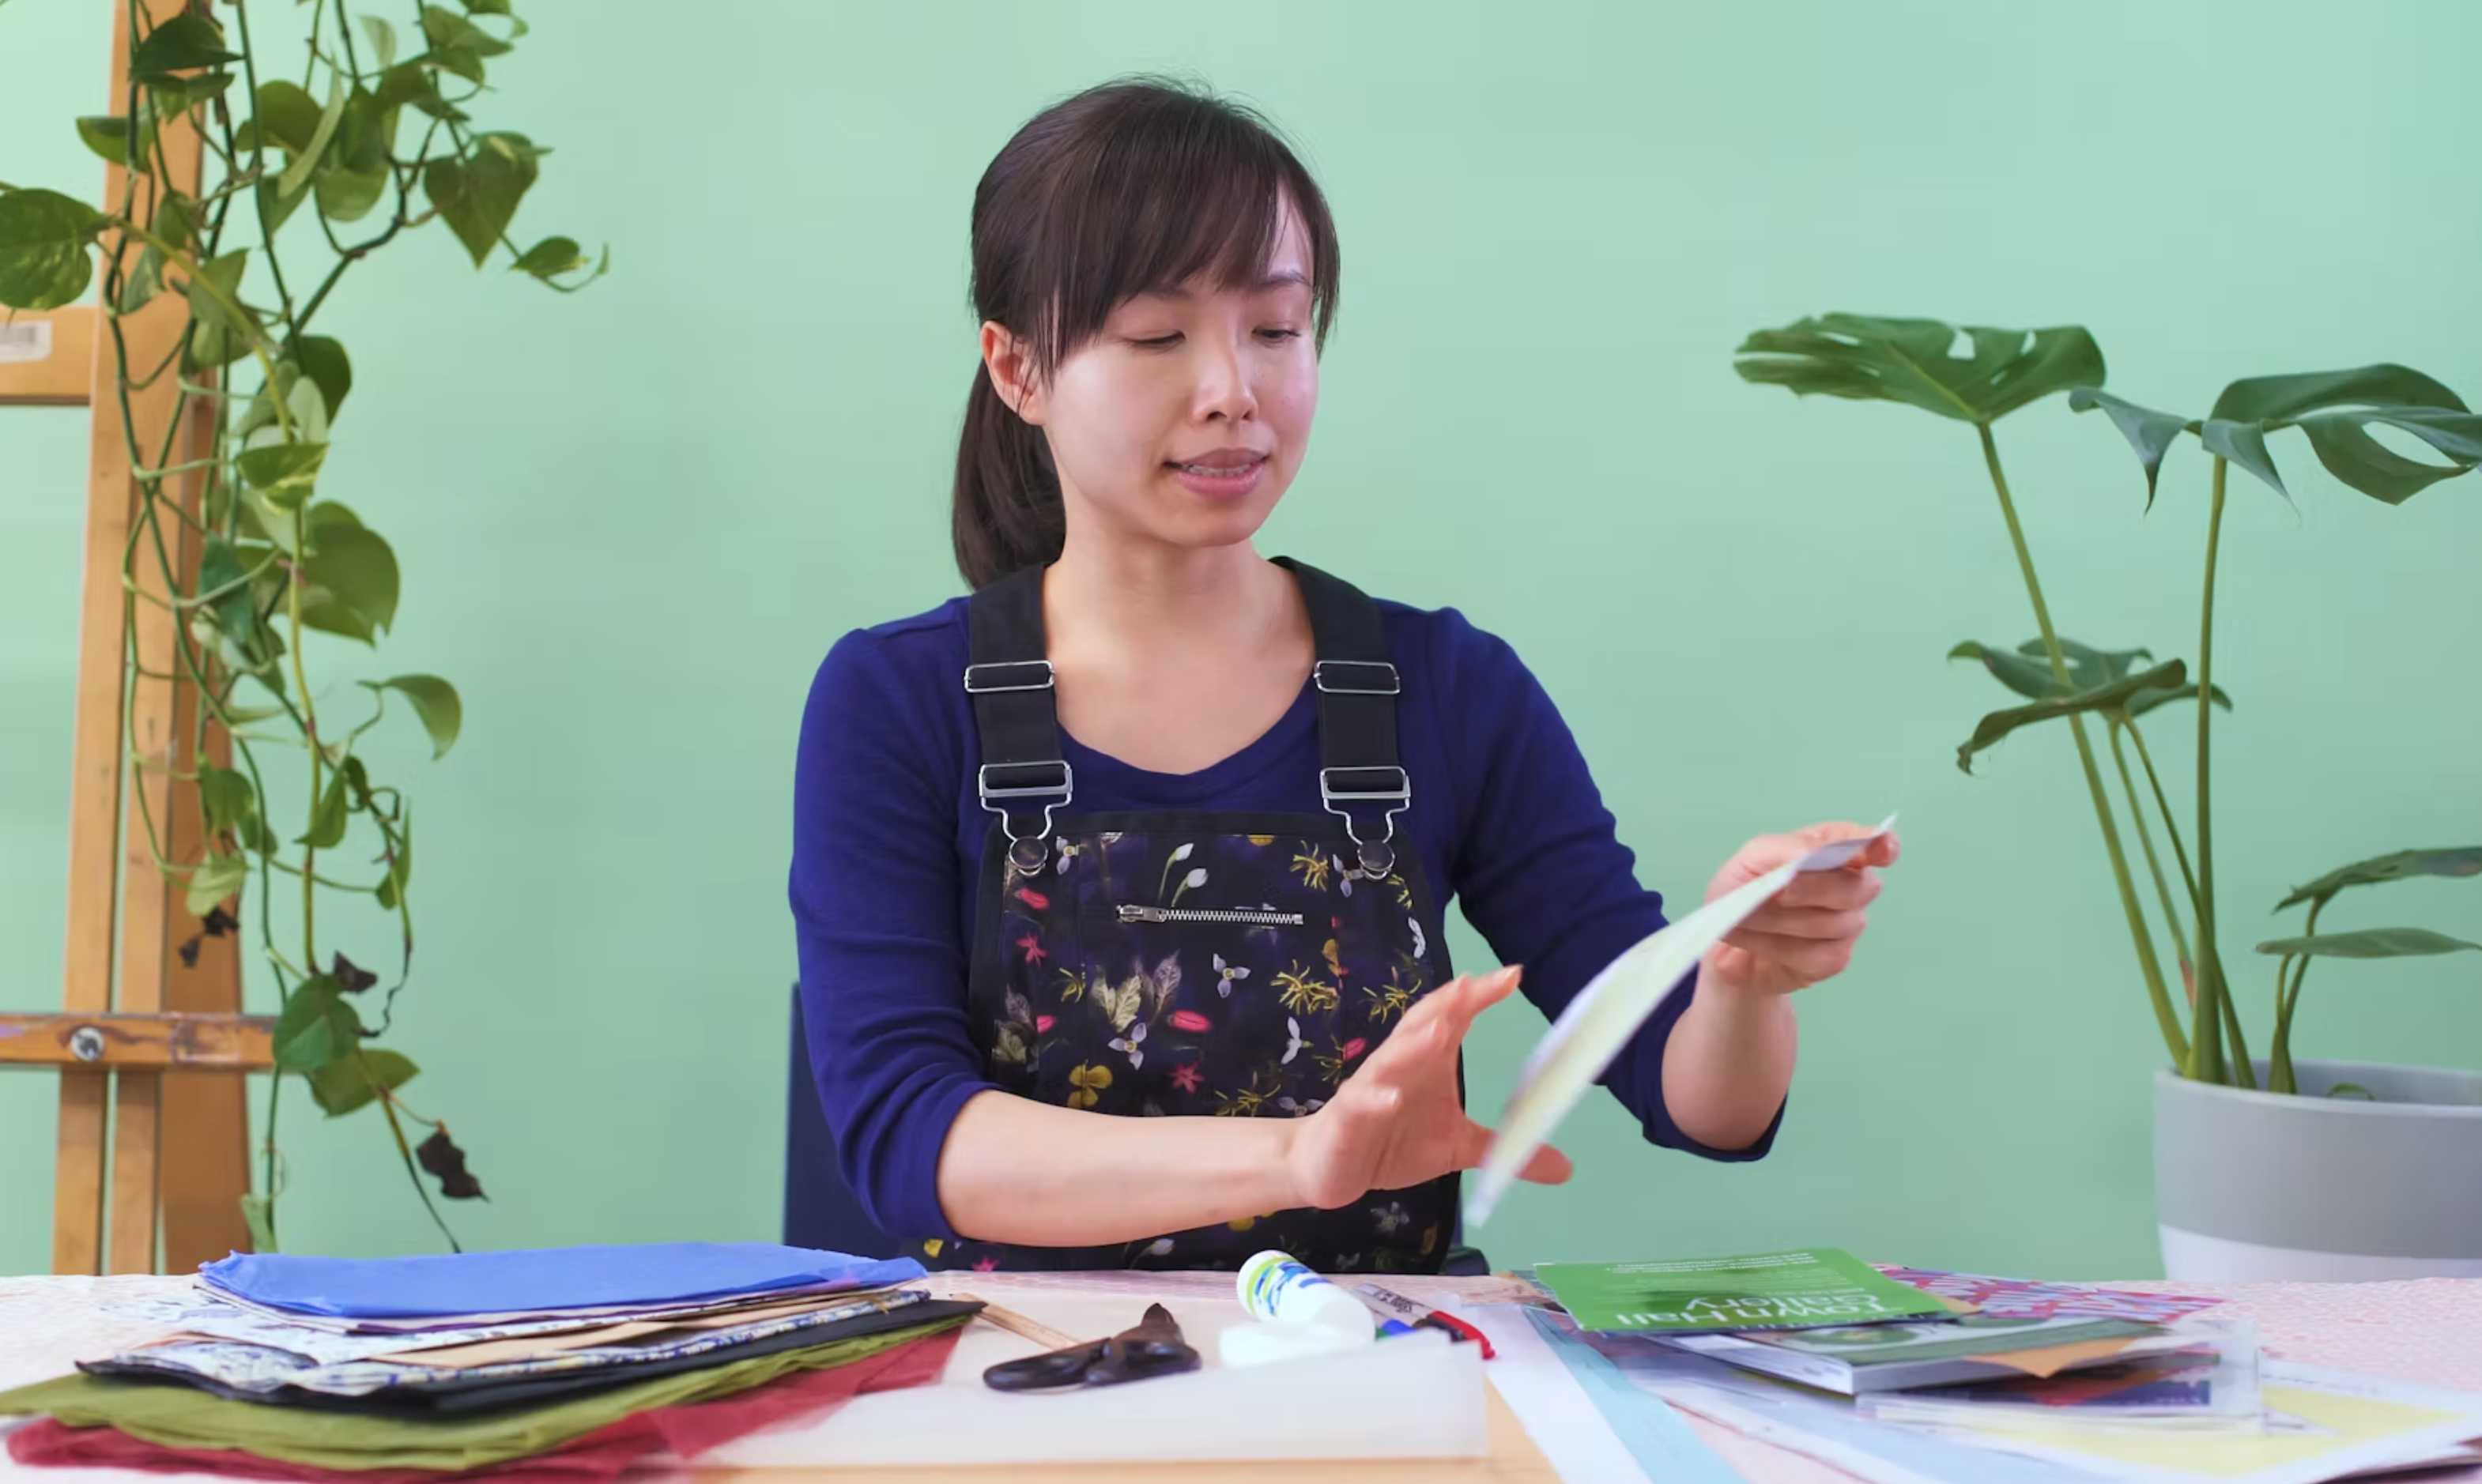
(1137, 914)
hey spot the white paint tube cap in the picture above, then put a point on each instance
(1273, 1285)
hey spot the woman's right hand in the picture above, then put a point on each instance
(1398, 1121)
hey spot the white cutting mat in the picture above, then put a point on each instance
(1414, 1397)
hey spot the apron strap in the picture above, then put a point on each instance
(1362, 780)
(1022, 777)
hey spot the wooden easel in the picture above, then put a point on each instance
(151, 1050)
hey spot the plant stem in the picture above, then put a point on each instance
(2147, 963)
(388, 1106)
(2153, 863)
(2206, 1052)
(2163, 811)
(2278, 1055)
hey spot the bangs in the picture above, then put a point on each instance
(1163, 188)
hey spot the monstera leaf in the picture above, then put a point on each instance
(2027, 670)
(2110, 698)
(2333, 409)
(1916, 362)
(2370, 943)
(2401, 865)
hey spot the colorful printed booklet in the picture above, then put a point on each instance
(1854, 1359)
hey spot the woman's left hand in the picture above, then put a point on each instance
(1807, 932)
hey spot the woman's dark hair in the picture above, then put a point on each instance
(1134, 187)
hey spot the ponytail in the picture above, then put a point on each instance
(1008, 513)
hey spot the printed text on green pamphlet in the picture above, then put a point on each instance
(1817, 1286)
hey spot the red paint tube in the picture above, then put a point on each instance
(1390, 1305)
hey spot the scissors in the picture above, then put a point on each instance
(1151, 1347)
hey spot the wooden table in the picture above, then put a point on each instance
(2428, 1331)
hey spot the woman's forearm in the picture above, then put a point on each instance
(1729, 1064)
(1018, 1171)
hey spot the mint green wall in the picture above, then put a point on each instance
(632, 521)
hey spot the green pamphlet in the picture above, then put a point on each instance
(1800, 1289)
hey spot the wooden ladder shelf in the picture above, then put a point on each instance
(150, 1046)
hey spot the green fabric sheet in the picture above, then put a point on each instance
(182, 1417)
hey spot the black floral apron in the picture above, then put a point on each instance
(1180, 964)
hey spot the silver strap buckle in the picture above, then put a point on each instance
(1377, 856)
(1008, 675)
(1356, 677)
(1058, 794)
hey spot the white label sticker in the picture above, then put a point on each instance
(31, 341)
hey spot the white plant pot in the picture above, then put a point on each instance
(2261, 1186)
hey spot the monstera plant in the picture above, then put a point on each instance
(374, 142)
(1976, 376)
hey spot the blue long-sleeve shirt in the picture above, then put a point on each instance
(888, 846)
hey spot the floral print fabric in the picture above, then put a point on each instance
(1154, 972)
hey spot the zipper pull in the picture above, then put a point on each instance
(1131, 913)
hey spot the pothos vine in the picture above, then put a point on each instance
(277, 559)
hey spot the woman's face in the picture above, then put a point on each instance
(1183, 421)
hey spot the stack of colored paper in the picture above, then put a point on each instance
(279, 1365)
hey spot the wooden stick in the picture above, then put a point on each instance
(62, 376)
(147, 1043)
(1016, 1323)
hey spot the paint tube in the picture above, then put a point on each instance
(1399, 1315)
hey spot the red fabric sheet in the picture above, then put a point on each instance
(589, 1459)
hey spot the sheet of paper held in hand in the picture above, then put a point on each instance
(1609, 1010)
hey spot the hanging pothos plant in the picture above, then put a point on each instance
(374, 140)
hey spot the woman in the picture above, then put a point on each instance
(1118, 883)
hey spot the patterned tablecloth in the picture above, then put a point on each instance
(2428, 1331)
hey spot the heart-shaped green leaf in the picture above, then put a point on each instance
(2399, 866)
(225, 796)
(170, 97)
(349, 194)
(288, 116)
(281, 474)
(445, 28)
(297, 176)
(216, 878)
(186, 41)
(434, 701)
(328, 821)
(383, 40)
(2114, 696)
(2370, 943)
(107, 135)
(316, 1027)
(221, 336)
(43, 238)
(1911, 361)
(345, 1084)
(477, 195)
(324, 360)
(356, 574)
(551, 257)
